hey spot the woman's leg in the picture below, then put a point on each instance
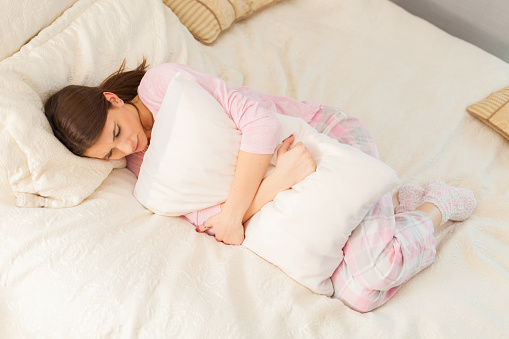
(345, 128)
(438, 199)
(375, 265)
(385, 250)
(382, 253)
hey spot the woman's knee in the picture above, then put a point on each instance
(365, 301)
(354, 294)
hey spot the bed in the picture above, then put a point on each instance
(81, 258)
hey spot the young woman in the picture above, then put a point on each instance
(115, 120)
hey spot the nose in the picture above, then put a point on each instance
(126, 146)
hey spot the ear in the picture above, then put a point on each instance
(113, 98)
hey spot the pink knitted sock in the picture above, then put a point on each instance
(410, 197)
(454, 203)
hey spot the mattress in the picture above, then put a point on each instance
(108, 268)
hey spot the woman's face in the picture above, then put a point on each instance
(122, 135)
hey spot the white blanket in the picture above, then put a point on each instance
(109, 268)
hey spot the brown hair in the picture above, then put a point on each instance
(77, 114)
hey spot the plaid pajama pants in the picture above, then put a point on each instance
(385, 250)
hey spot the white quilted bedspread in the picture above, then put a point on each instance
(109, 268)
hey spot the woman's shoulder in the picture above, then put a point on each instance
(155, 81)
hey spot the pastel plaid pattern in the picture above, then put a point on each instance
(385, 250)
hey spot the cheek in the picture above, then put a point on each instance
(134, 125)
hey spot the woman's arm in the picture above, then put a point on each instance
(259, 128)
(249, 172)
(293, 165)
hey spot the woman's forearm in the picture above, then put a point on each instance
(249, 172)
(267, 191)
(293, 165)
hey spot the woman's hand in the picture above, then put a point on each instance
(227, 228)
(249, 172)
(293, 165)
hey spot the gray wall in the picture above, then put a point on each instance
(484, 23)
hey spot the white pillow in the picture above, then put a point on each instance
(31, 16)
(191, 162)
(83, 46)
(187, 166)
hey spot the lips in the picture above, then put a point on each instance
(137, 144)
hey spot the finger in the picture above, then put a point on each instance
(302, 147)
(286, 144)
(203, 227)
(289, 140)
(238, 241)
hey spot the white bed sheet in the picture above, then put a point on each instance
(108, 268)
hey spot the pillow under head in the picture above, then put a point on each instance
(82, 47)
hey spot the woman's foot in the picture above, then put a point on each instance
(410, 197)
(454, 203)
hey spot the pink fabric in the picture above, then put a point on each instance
(454, 203)
(385, 250)
(252, 112)
(410, 197)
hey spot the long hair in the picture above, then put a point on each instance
(77, 114)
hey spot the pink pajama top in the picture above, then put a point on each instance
(252, 112)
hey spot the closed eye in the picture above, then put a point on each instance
(115, 135)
